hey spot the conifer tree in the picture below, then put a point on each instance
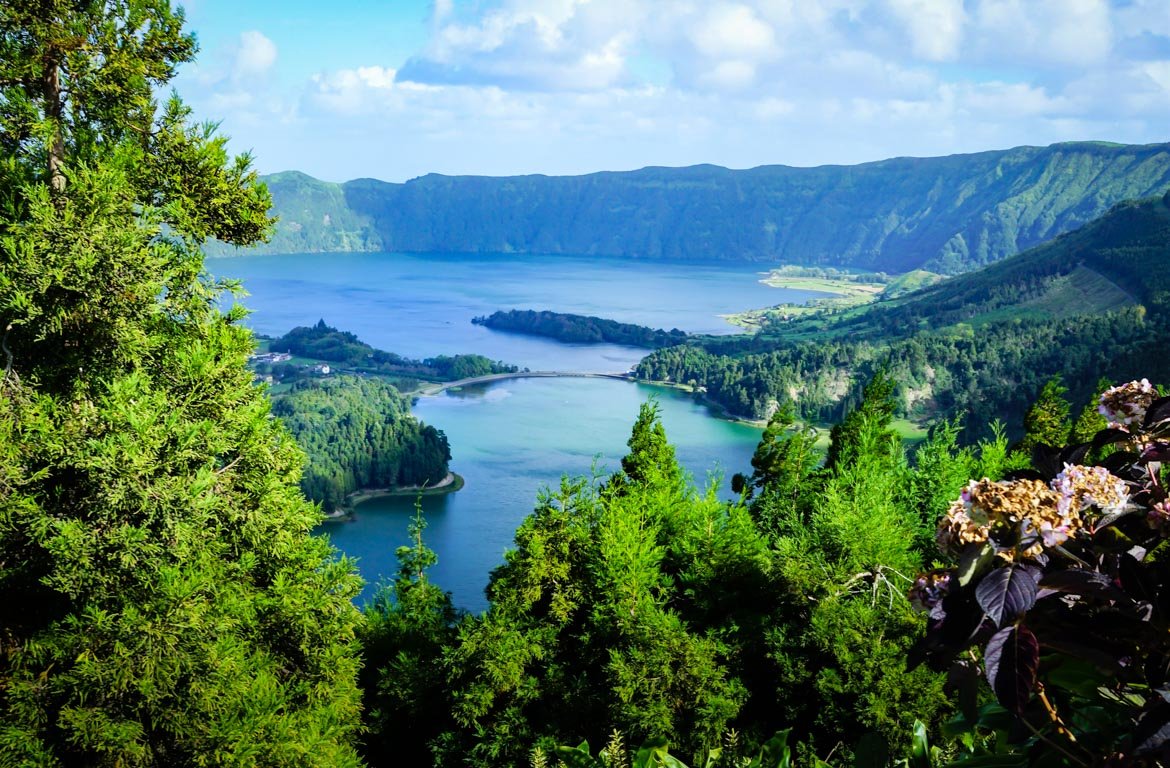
(843, 556)
(164, 603)
(876, 411)
(620, 607)
(408, 625)
(1090, 421)
(783, 464)
(1046, 422)
(651, 458)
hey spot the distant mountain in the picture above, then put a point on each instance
(1121, 259)
(944, 214)
(1089, 304)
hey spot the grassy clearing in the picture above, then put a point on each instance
(911, 433)
(842, 291)
(840, 287)
(1082, 291)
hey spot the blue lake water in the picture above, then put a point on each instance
(512, 438)
(421, 305)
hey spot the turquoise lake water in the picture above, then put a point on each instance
(512, 438)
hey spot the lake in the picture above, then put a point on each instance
(420, 306)
(512, 438)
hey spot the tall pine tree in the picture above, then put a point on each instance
(164, 603)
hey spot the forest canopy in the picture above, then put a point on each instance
(323, 342)
(164, 601)
(358, 433)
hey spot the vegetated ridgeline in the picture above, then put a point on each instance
(580, 329)
(358, 433)
(1092, 303)
(944, 214)
(324, 342)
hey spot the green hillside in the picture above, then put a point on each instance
(312, 217)
(1113, 262)
(1092, 303)
(943, 214)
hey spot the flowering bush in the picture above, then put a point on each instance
(1060, 598)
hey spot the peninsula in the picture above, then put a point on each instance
(580, 329)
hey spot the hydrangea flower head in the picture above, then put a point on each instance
(1126, 404)
(1081, 487)
(1020, 517)
(1158, 517)
(929, 590)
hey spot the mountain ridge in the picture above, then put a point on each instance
(1088, 304)
(947, 214)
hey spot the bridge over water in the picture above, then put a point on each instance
(429, 390)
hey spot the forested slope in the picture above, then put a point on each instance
(324, 342)
(358, 433)
(1092, 303)
(947, 214)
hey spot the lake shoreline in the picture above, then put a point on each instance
(452, 483)
(717, 410)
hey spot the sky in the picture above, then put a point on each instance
(399, 88)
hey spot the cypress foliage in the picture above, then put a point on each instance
(1047, 420)
(164, 603)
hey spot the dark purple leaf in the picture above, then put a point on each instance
(1006, 592)
(949, 632)
(1011, 659)
(1159, 451)
(1046, 460)
(1109, 437)
(1099, 652)
(963, 680)
(1153, 730)
(1136, 578)
(1158, 411)
(1075, 454)
(1078, 581)
(1118, 462)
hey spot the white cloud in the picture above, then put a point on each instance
(1075, 33)
(1011, 101)
(730, 75)
(255, 55)
(566, 44)
(561, 86)
(1143, 16)
(935, 27)
(351, 91)
(733, 32)
(1159, 73)
(441, 10)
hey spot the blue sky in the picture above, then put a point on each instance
(400, 88)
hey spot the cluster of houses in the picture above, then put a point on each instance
(270, 358)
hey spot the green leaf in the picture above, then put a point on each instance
(919, 747)
(578, 757)
(775, 753)
(651, 753)
(975, 562)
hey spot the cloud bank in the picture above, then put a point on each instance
(564, 86)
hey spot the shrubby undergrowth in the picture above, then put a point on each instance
(1058, 599)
